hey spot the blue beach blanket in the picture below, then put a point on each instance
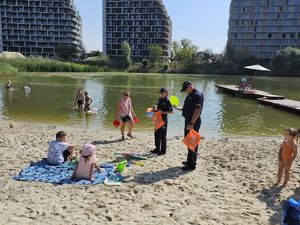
(61, 174)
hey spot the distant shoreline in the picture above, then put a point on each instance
(136, 131)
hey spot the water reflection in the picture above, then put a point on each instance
(52, 99)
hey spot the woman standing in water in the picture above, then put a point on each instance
(125, 114)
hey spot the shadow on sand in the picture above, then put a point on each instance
(271, 197)
(153, 177)
(105, 142)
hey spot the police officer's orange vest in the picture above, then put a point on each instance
(192, 140)
(157, 120)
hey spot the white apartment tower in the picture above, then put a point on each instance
(264, 27)
(140, 23)
(37, 27)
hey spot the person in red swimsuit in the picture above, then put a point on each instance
(286, 155)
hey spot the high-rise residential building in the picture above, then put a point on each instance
(1, 43)
(264, 27)
(38, 27)
(140, 23)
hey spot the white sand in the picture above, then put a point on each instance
(231, 184)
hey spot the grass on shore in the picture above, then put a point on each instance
(7, 69)
(38, 64)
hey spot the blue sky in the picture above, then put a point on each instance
(205, 22)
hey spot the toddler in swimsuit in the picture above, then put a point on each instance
(87, 163)
(287, 154)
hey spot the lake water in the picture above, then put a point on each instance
(52, 98)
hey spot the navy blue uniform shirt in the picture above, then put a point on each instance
(193, 101)
(164, 105)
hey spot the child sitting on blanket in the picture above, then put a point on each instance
(87, 163)
(59, 151)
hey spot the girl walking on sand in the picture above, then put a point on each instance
(287, 154)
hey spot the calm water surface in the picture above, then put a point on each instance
(52, 101)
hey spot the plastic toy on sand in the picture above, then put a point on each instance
(120, 166)
(11, 124)
(116, 123)
(138, 163)
(174, 100)
(110, 182)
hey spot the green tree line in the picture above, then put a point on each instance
(185, 58)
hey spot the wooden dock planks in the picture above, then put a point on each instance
(286, 104)
(266, 98)
(233, 89)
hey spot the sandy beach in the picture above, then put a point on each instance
(231, 185)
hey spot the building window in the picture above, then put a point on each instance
(254, 35)
(283, 35)
(237, 23)
(292, 35)
(269, 35)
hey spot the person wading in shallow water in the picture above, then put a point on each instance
(191, 111)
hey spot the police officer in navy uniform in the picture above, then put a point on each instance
(191, 111)
(164, 107)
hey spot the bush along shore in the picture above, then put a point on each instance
(285, 63)
(32, 64)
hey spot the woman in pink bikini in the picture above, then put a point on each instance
(125, 114)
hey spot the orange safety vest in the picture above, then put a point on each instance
(192, 140)
(157, 120)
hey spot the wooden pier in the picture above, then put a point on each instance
(286, 104)
(234, 89)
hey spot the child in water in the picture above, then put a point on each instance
(79, 99)
(87, 102)
(87, 163)
(9, 85)
(287, 154)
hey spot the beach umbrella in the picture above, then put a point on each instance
(257, 67)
